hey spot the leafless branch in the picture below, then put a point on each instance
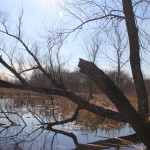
(48, 75)
(6, 116)
(73, 118)
(23, 81)
(28, 70)
(37, 117)
(108, 16)
(20, 23)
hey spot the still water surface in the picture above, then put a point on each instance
(33, 136)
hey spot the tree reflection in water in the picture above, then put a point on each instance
(32, 128)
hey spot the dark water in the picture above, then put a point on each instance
(34, 136)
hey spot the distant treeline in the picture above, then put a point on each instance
(78, 82)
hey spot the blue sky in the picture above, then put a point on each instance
(36, 13)
(39, 14)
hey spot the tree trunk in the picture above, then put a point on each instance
(138, 123)
(142, 96)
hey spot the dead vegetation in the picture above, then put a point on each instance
(42, 104)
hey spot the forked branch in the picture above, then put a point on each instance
(73, 118)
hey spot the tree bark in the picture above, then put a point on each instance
(142, 96)
(138, 123)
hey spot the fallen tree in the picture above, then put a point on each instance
(138, 122)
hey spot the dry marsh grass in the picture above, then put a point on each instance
(98, 98)
(43, 104)
(4, 92)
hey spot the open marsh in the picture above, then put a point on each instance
(28, 112)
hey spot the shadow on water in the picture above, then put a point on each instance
(30, 132)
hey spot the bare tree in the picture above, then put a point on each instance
(100, 16)
(92, 48)
(104, 15)
(119, 44)
(36, 56)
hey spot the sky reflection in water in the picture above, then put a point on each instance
(35, 138)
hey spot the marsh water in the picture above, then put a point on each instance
(29, 134)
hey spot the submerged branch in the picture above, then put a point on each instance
(73, 118)
(71, 135)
